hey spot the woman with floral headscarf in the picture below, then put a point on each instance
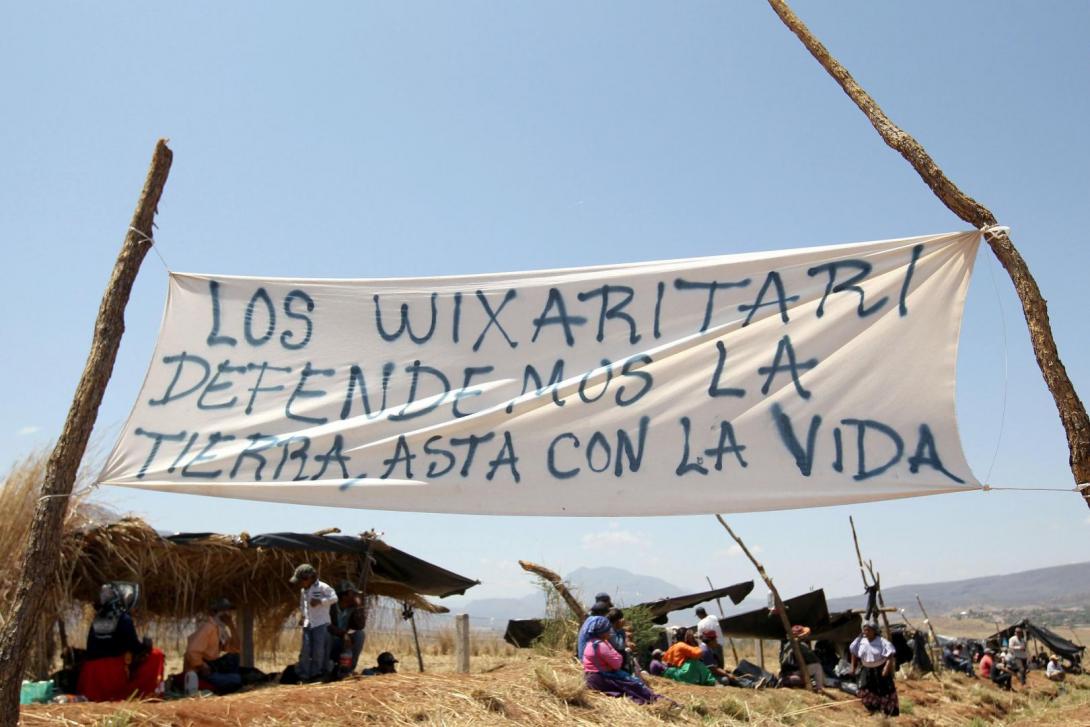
(602, 665)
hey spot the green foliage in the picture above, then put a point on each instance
(644, 633)
(561, 630)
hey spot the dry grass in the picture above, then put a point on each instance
(541, 691)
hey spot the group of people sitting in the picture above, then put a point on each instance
(1004, 665)
(118, 665)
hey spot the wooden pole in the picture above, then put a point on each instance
(719, 605)
(936, 650)
(416, 642)
(461, 643)
(246, 625)
(1070, 407)
(874, 580)
(780, 608)
(40, 559)
(558, 584)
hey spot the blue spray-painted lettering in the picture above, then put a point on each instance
(181, 359)
(627, 451)
(784, 348)
(287, 454)
(605, 384)
(355, 374)
(402, 454)
(903, 303)
(507, 457)
(287, 336)
(714, 389)
(728, 444)
(629, 369)
(685, 466)
(300, 393)
(157, 439)
(258, 444)
(709, 307)
(862, 268)
(214, 337)
(257, 387)
(203, 456)
(406, 324)
(561, 317)
(551, 457)
(248, 322)
(771, 280)
(433, 471)
(615, 311)
(862, 425)
(493, 317)
(928, 454)
(804, 458)
(555, 377)
(471, 442)
(598, 442)
(335, 454)
(215, 385)
(467, 393)
(416, 369)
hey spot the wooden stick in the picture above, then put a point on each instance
(1070, 407)
(874, 580)
(936, 650)
(799, 661)
(719, 604)
(558, 584)
(416, 640)
(40, 559)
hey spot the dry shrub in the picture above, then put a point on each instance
(567, 688)
(735, 709)
(490, 701)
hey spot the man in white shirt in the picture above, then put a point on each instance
(1019, 654)
(315, 598)
(1054, 671)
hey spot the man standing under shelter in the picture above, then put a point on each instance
(315, 598)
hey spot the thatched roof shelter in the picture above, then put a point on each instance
(181, 574)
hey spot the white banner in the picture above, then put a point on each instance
(790, 379)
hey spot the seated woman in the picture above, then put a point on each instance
(602, 665)
(118, 665)
(683, 662)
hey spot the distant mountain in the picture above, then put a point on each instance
(1055, 587)
(624, 587)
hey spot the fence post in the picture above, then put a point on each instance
(246, 625)
(461, 643)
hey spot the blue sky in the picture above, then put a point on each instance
(365, 140)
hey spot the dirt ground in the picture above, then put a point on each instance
(533, 689)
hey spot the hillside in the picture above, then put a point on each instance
(1057, 587)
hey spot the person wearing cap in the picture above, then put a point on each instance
(212, 651)
(1054, 669)
(315, 599)
(347, 620)
(875, 660)
(710, 623)
(602, 604)
(656, 667)
(1002, 673)
(386, 664)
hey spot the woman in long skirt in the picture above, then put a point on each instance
(602, 666)
(874, 658)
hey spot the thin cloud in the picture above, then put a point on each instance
(612, 538)
(736, 550)
(28, 430)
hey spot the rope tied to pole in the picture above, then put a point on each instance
(151, 243)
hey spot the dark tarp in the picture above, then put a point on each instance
(841, 629)
(522, 632)
(389, 564)
(663, 607)
(1057, 644)
(809, 609)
